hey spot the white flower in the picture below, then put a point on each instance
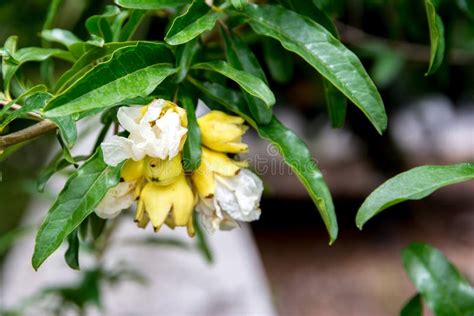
(157, 133)
(236, 198)
(116, 199)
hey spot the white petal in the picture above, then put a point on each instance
(128, 117)
(170, 134)
(240, 195)
(153, 111)
(212, 218)
(117, 149)
(117, 199)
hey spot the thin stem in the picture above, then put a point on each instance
(410, 51)
(30, 132)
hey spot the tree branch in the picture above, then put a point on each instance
(30, 132)
(410, 51)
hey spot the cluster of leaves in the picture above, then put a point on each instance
(111, 69)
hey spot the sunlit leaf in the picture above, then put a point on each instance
(413, 184)
(116, 80)
(83, 191)
(196, 20)
(436, 35)
(151, 4)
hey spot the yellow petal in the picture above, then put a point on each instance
(132, 170)
(183, 202)
(222, 132)
(203, 180)
(163, 172)
(219, 163)
(157, 203)
(190, 228)
(141, 218)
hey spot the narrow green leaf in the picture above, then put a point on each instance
(67, 130)
(335, 100)
(251, 84)
(97, 225)
(134, 20)
(242, 58)
(116, 80)
(29, 54)
(413, 184)
(414, 307)
(192, 146)
(101, 25)
(184, 57)
(297, 155)
(436, 27)
(86, 62)
(239, 4)
(83, 191)
(336, 104)
(152, 4)
(72, 253)
(279, 61)
(443, 288)
(201, 240)
(34, 102)
(324, 52)
(58, 164)
(196, 20)
(293, 150)
(64, 37)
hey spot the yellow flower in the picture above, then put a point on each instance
(222, 132)
(173, 203)
(212, 164)
(163, 172)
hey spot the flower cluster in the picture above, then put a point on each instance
(221, 190)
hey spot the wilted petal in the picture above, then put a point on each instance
(116, 199)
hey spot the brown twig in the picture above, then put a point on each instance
(410, 51)
(30, 132)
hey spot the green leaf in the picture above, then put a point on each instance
(134, 20)
(297, 155)
(57, 164)
(116, 80)
(336, 104)
(29, 54)
(251, 84)
(335, 100)
(414, 307)
(64, 37)
(196, 20)
(436, 27)
(443, 288)
(67, 130)
(101, 25)
(239, 4)
(72, 253)
(86, 62)
(97, 225)
(242, 58)
(152, 4)
(279, 61)
(201, 240)
(83, 191)
(192, 146)
(184, 56)
(324, 52)
(33, 102)
(413, 184)
(294, 151)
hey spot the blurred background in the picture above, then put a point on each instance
(281, 264)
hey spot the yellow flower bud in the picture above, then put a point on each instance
(222, 132)
(163, 172)
(158, 203)
(212, 163)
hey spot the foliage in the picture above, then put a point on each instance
(207, 52)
